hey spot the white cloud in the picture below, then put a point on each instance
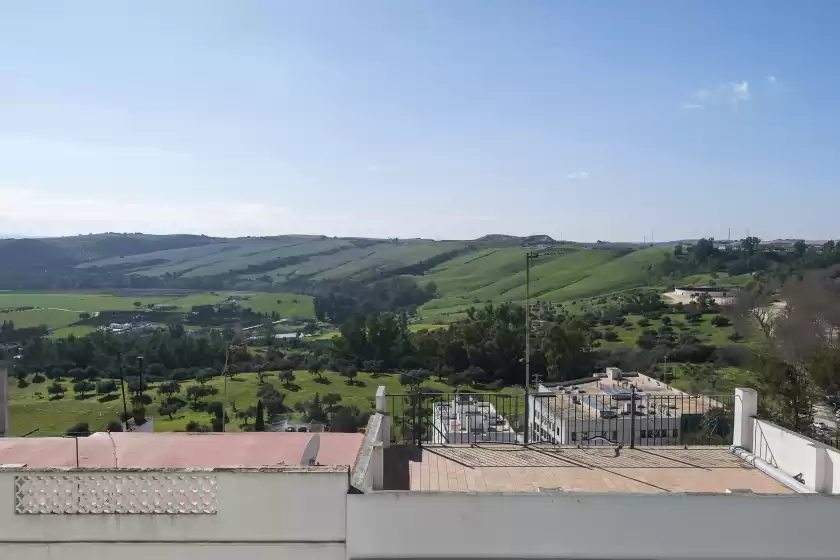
(577, 176)
(40, 211)
(739, 91)
(771, 79)
(729, 93)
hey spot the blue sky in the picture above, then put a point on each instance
(590, 120)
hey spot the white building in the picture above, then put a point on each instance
(614, 407)
(247, 496)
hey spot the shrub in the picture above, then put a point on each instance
(194, 426)
(644, 322)
(735, 337)
(80, 430)
(22, 383)
(38, 378)
(611, 336)
(114, 426)
(666, 320)
(721, 321)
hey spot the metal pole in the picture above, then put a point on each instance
(633, 418)
(224, 375)
(528, 412)
(122, 387)
(527, 321)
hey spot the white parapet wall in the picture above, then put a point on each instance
(579, 525)
(294, 513)
(817, 464)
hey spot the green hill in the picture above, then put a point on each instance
(490, 268)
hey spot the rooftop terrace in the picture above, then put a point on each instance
(514, 468)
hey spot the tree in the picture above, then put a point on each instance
(799, 248)
(315, 366)
(331, 400)
(259, 422)
(287, 376)
(215, 408)
(350, 373)
(106, 386)
(56, 389)
(168, 409)
(77, 374)
(169, 389)
(197, 392)
(82, 429)
(348, 419)
(314, 410)
(204, 375)
(138, 304)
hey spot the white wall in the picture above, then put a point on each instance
(617, 526)
(796, 454)
(270, 507)
(168, 551)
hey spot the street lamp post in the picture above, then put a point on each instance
(529, 256)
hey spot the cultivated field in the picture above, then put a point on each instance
(58, 311)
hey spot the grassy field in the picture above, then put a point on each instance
(59, 310)
(497, 275)
(704, 330)
(53, 417)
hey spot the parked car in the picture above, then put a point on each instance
(820, 425)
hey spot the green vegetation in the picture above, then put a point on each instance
(54, 417)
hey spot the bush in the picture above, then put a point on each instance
(721, 321)
(644, 322)
(666, 320)
(194, 426)
(22, 383)
(735, 337)
(80, 430)
(38, 378)
(114, 426)
(611, 336)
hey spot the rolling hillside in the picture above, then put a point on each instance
(465, 272)
(498, 276)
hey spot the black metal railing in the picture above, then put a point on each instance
(566, 417)
(629, 417)
(456, 418)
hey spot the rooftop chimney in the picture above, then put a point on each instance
(4, 401)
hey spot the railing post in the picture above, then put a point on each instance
(633, 418)
(746, 407)
(382, 408)
(527, 429)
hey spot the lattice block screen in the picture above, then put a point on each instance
(115, 494)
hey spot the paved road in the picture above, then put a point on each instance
(825, 413)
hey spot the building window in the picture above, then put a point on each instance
(574, 436)
(584, 436)
(676, 433)
(558, 430)
(644, 434)
(615, 435)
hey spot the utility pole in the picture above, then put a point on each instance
(122, 386)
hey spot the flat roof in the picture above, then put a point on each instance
(179, 450)
(588, 398)
(513, 468)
